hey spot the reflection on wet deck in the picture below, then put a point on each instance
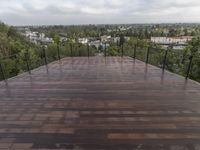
(98, 103)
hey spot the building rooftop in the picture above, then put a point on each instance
(99, 103)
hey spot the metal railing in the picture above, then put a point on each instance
(74, 51)
(143, 54)
(146, 55)
(164, 58)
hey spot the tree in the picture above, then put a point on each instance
(122, 40)
(51, 52)
(12, 49)
(194, 45)
(185, 32)
(194, 49)
(57, 42)
(12, 32)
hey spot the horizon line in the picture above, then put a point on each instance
(98, 24)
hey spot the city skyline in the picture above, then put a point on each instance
(62, 12)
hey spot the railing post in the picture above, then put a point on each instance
(58, 48)
(122, 47)
(71, 47)
(15, 56)
(79, 53)
(165, 59)
(105, 50)
(135, 48)
(189, 67)
(88, 49)
(1, 67)
(45, 56)
(147, 56)
(27, 63)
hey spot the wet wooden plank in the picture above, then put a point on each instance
(99, 103)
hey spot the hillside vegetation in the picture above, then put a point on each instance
(13, 49)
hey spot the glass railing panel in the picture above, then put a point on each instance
(195, 68)
(156, 57)
(175, 62)
(141, 52)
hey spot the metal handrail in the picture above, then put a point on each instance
(164, 59)
(189, 67)
(1, 65)
(148, 55)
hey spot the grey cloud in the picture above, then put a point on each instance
(100, 11)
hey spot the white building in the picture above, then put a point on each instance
(97, 44)
(116, 40)
(83, 40)
(36, 37)
(127, 38)
(63, 39)
(171, 40)
(105, 38)
(180, 42)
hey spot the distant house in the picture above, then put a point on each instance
(116, 39)
(122, 28)
(47, 40)
(105, 38)
(179, 43)
(96, 43)
(83, 40)
(104, 46)
(63, 39)
(171, 40)
(36, 37)
(127, 38)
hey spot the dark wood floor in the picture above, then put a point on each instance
(99, 103)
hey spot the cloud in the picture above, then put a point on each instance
(23, 12)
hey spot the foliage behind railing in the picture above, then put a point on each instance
(195, 68)
(176, 61)
(28, 60)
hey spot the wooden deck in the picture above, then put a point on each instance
(98, 103)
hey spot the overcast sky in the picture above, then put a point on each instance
(65, 12)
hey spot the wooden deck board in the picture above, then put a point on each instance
(98, 103)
